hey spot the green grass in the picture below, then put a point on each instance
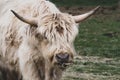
(84, 2)
(92, 40)
(97, 68)
(87, 69)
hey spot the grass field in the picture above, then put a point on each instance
(99, 36)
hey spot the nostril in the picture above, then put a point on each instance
(62, 57)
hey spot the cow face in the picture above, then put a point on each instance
(59, 31)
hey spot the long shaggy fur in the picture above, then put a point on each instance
(30, 50)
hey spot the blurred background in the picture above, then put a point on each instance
(98, 42)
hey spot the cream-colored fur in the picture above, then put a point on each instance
(29, 49)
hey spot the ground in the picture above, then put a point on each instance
(93, 68)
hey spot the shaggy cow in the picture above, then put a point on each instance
(37, 39)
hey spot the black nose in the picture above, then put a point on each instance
(62, 57)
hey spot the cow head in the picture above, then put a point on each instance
(56, 33)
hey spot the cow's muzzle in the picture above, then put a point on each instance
(63, 60)
(62, 57)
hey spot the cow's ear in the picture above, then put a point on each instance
(31, 21)
(82, 17)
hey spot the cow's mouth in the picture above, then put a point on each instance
(63, 65)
